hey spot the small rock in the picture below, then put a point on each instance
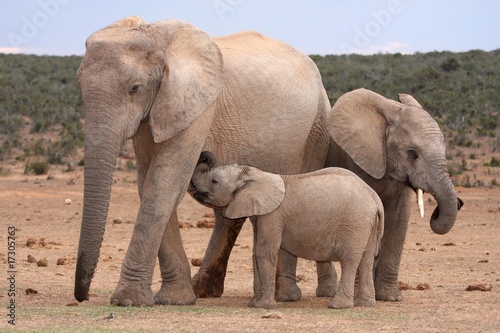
(404, 286)
(61, 261)
(479, 287)
(302, 278)
(117, 221)
(72, 304)
(31, 259)
(272, 315)
(68, 202)
(184, 225)
(449, 244)
(205, 224)
(30, 291)
(41, 242)
(196, 262)
(31, 242)
(42, 263)
(423, 286)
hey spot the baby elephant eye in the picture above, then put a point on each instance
(412, 154)
(215, 181)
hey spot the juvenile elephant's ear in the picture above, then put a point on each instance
(358, 124)
(261, 193)
(192, 78)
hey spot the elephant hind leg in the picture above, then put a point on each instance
(344, 298)
(327, 279)
(365, 293)
(209, 280)
(286, 281)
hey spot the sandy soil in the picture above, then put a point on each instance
(46, 214)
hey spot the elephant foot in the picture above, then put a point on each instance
(365, 301)
(388, 292)
(173, 294)
(339, 302)
(263, 304)
(207, 286)
(287, 290)
(132, 295)
(325, 289)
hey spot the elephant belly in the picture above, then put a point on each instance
(310, 248)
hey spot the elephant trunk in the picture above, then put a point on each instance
(444, 216)
(100, 157)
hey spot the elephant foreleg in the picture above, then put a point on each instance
(209, 280)
(397, 216)
(175, 271)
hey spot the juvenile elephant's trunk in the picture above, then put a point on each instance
(100, 159)
(444, 216)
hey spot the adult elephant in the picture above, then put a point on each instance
(398, 149)
(175, 91)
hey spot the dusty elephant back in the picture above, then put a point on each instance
(330, 191)
(289, 134)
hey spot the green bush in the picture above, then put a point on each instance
(495, 162)
(37, 167)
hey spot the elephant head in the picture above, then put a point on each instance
(239, 190)
(399, 140)
(164, 75)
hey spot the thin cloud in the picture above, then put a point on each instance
(392, 47)
(10, 50)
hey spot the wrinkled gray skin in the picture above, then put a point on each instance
(325, 215)
(396, 147)
(175, 91)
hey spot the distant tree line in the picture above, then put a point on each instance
(460, 90)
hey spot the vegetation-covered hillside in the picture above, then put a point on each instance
(40, 91)
(460, 90)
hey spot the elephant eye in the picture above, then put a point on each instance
(412, 154)
(215, 181)
(135, 89)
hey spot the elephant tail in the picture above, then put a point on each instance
(378, 227)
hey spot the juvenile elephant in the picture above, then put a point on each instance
(324, 215)
(175, 91)
(399, 150)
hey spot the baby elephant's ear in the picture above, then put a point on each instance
(260, 194)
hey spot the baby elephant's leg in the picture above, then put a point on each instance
(344, 298)
(266, 248)
(365, 295)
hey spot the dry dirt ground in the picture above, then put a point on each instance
(46, 214)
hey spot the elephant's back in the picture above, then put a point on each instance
(331, 190)
(271, 111)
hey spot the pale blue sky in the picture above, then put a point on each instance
(60, 27)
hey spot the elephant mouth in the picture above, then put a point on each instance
(192, 188)
(202, 197)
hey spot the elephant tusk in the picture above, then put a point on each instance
(420, 202)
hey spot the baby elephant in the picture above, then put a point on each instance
(326, 215)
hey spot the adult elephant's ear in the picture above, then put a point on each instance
(192, 76)
(358, 123)
(409, 100)
(260, 193)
